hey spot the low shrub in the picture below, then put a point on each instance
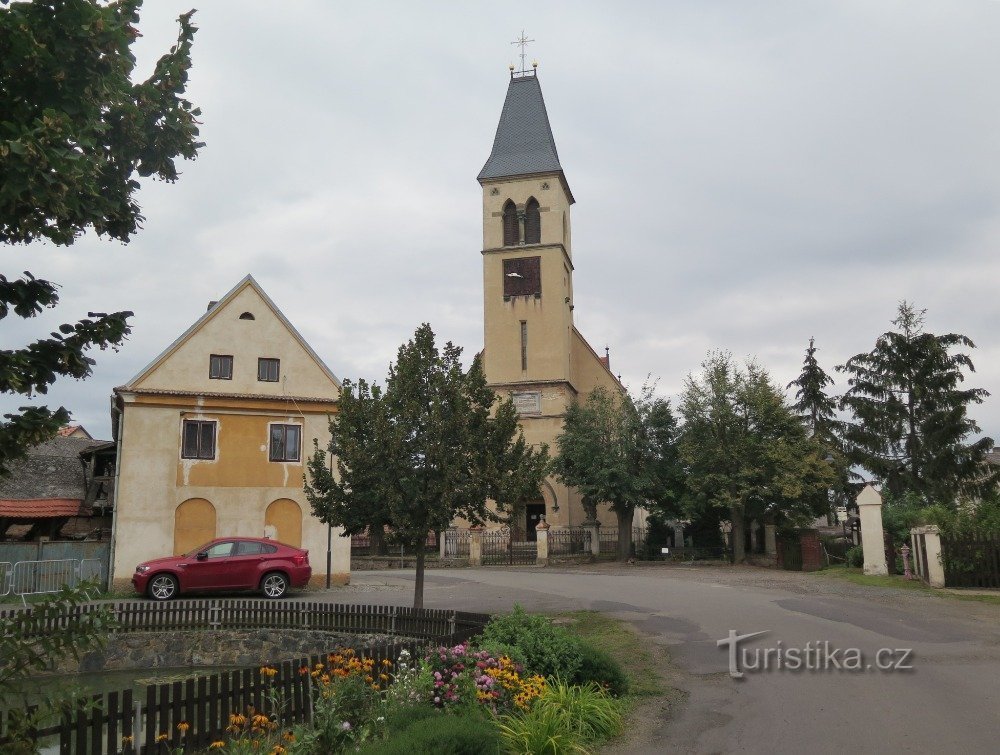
(593, 713)
(441, 734)
(599, 667)
(546, 649)
(855, 557)
(542, 730)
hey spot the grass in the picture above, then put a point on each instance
(858, 577)
(621, 642)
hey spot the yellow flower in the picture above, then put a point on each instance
(183, 726)
(162, 737)
(217, 745)
(289, 736)
(268, 671)
(126, 741)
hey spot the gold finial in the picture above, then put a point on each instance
(534, 64)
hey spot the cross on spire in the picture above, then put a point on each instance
(523, 42)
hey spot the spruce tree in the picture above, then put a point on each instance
(911, 427)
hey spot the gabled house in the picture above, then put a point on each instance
(213, 436)
(60, 491)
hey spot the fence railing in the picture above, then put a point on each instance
(125, 722)
(567, 542)
(140, 616)
(361, 545)
(971, 561)
(456, 543)
(6, 578)
(38, 577)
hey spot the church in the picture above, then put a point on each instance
(532, 350)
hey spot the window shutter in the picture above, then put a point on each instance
(510, 229)
(532, 223)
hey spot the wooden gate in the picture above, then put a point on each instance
(500, 549)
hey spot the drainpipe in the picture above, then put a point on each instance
(117, 416)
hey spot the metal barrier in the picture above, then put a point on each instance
(38, 577)
(6, 577)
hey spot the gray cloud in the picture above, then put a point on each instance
(748, 175)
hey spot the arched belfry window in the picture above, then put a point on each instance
(511, 235)
(532, 223)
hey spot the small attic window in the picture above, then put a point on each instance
(247, 316)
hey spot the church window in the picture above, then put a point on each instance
(511, 232)
(220, 367)
(522, 277)
(532, 222)
(524, 346)
(247, 316)
(267, 370)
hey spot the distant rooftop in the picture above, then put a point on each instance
(524, 144)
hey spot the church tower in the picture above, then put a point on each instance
(533, 352)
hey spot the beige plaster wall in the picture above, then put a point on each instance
(588, 372)
(186, 368)
(240, 483)
(554, 205)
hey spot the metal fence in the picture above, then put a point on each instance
(569, 542)
(37, 577)
(456, 543)
(499, 548)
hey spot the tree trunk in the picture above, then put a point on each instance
(738, 534)
(625, 533)
(418, 582)
(376, 539)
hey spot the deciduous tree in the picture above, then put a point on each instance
(430, 448)
(75, 132)
(745, 450)
(620, 450)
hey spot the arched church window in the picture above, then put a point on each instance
(532, 223)
(511, 235)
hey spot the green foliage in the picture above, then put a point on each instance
(598, 667)
(855, 556)
(746, 452)
(343, 715)
(543, 730)
(75, 127)
(441, 734)
(75, 131)
(911, 427)
(594, 715)
(25, 652)
(548, 650)
(430, 448)
(622, 450)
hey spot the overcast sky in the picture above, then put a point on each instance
(747, 175)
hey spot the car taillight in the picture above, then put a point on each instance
(301, 559)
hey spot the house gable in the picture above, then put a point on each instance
(246, 326)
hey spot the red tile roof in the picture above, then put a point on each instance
(39, 508)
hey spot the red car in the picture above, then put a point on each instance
(226, 563)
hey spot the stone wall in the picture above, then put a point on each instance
(235, 647)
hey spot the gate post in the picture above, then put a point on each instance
(542, 542)
(594, 527)
(476, 545)
(932, 554)
(872, 537)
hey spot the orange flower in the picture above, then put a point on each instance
(183, 726)
(162, 737)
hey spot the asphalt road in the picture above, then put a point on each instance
(949, 701)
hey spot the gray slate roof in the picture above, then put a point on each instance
(50, 470)
(524, 143)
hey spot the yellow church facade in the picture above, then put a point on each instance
(213, 436)
(533, 351)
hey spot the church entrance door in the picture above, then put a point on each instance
(533, 513)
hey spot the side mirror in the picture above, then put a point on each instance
(203, 555)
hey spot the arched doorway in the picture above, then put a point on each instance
(194, 525)
(286, 517)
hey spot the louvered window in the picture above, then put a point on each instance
(511, 233)
(532, 223)
(522, 277)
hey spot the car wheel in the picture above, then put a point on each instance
(162, 587)
(274, 585)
